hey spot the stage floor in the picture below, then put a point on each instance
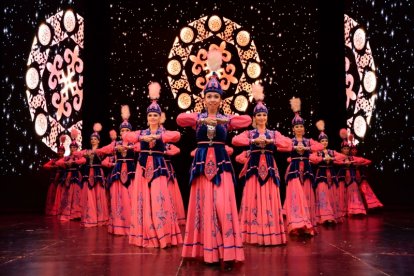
(380, 244)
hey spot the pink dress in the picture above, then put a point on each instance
(371, 201)
(261, 217)
(56, 178)
(347, 177)
(95, 211)
(325, 182)
(119, 182)
(212, 230)
(153, 217)
(172, 150)
(299, 203)
(70, 204)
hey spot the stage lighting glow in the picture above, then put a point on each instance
(184, 101)
(253, 70)
(241, 103)
(187, 34)
(44, 34)
(359, 39)
(54, 78)
(360, 126)
(370, 81)
(214, 23)
(32, 78)
(188, 71)
(243, 38)
(174, 67)
(361, 79)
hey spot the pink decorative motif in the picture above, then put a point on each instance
(70, 89)
(210, 168)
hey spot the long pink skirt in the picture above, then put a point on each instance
(310, 198)
(369, 196)
(71, 202)
(355, 203)
(333, 197)
(153, 217)
(120, 218)
(212, 230)
(342, 199)
(296, 207)
(94, 206)
(261, 216)
(50, 199)
(178, 200)
(56, 209)
(324, 207)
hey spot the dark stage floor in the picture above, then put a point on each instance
(380, 244)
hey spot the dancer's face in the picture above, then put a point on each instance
(94, 141)
(124, 130)
(345, 150)
(213, 100)
(261, 118)
(73, 149)
(153, 119)
(353, 151)
(324, 142)
(298, 130)
(60, 153)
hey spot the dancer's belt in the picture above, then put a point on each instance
(300, 158)
(261, 151)
(124, 159)
(73, 169)
(210, 143)
(150, 152)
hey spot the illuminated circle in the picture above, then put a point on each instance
(187, 34)
(188, 66)
(370, 81)
(360, 126)
(41, 124)
(54, 77)
(184, 101)
(253, 70)
(44, 34)
(241, 103)
(360, 77)
(69, 21)
(214, 23)
(32, 78)
(243, 38)
(359, 39)
(174, 67)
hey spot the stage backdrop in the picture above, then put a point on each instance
(121, 47)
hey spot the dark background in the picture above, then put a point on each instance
(301, 46)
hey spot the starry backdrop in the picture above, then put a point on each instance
(127, 45)
(390, 29)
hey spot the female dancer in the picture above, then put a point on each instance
(261, 208)
(121, 178)
(371, 201)
(325, 181)
(212, 228)
(56, 179)
(94, 198)
(70, 205)
(350, 200)
(299, 203)
(153, 216)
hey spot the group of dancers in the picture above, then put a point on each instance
(140, 197)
